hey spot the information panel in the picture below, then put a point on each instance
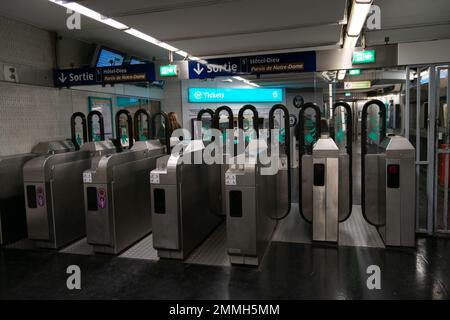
(209, 95)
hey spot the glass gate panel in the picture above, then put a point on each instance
(427, 95)
(442, 222)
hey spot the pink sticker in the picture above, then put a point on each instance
(41, 200)
(102, 202)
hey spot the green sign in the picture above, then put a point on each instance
(366, 56)
(348, 94)
(168, 71)
(354, 72)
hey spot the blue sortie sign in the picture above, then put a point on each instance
(104, 75)
(271, 63)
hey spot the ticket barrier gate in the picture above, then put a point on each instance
(54, 191)
(325, 175)
(227, 154)
(13, 222)
(249, 198)
(388, 182)
(345, 184)
(116, 189)
(185, 196)
(215, 169)
(181, 212)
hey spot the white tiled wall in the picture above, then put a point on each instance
(33, 110)
(29, 114)
(29, 49)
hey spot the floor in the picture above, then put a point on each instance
(289, 271)
(293, 268)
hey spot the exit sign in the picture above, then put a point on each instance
(168, 71)
(348, 94)
(366, 56)
(354, 72)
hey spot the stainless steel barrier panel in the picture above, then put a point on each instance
(249, 205)
(13, 223)
(116, 191)
(54, 194)
(325, 188)
(396, 194)
(181, 213)
(389, 185)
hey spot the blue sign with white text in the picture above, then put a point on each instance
(104, 75)
(263, 64)
(211, 95)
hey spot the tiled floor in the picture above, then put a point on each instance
(295, 271)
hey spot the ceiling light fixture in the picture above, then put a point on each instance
(358, 15)
(120, 26)
(341, 74)
(182, 53)
(91, 14)
(142, 36)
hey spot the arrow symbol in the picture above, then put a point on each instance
(62, 78)
(199, 69)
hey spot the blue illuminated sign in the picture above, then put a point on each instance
(261, 64)
(211, 95)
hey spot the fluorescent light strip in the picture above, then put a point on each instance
(182, 53)
(120, 26)
(167, 46)
(350, 42)
(91, 14)
(341, 74)
(142, 36)
(358, 15)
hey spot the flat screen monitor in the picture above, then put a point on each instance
(109, 58)
(134, 60)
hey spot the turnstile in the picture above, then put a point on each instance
(325, 176)
(13, 222)
(116, 189)
(181, 213)
(251, 196)
(54, 191)
(186, 197)
(388, 182)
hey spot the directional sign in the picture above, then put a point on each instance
(105, 75)
(210, 95)
(357, 85)
(274, 63)
(362, 57)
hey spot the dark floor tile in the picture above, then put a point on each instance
(289, 271)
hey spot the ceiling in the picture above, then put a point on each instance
(200, 27)
(49, 16)
(207, 28)
(217, 27)
(411, 20)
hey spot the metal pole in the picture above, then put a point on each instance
(407, 104)
(431, 154)
(418, 134)
(447, 155)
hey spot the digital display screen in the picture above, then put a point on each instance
(109, 58)
(136, 61)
